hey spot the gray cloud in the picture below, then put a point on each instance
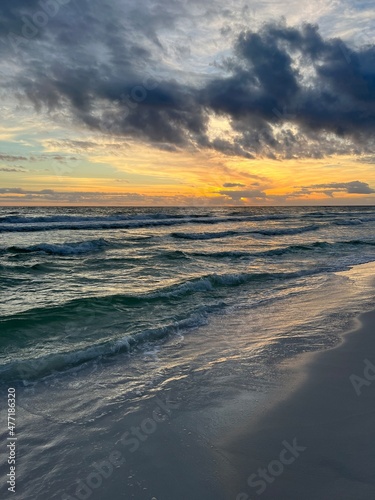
(281, 76)
(22, 191)
(287, 92)
(31, 197)
(11, 158)
(353, 187)
(233, 185)
(12, 169)
(237, 195)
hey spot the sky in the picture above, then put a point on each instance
(187, 103)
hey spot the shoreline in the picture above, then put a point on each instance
(316, 441)
(311, 438)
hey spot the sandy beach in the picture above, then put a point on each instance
(326, 425)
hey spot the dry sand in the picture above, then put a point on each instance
(330, 418)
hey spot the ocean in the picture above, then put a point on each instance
(105, 309)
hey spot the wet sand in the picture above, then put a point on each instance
(318, 442)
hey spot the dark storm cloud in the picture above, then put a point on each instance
(287, 75)
(95, 59)
(286, 91)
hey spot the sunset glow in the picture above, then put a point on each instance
(207, 108)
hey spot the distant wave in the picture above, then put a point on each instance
(291, 249)
(261, 217)
(236, 216)
(333, 213)
(263, 232)
(54, 223)
(173, 255)
(13, 223)
(348, 222)
(287, 230)
(32, 224)
(84, 225)
(93, 246)
(207, 236)
(98, 218)
(74, 248)
(317, 245)
(226, 254)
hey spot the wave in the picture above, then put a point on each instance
(105, 305)
(32, 369)
(323, 245)
(33, 224)
(288, 230)
(90, 225)
(348, 222)
(174, 255)
(233, 233)
(261, 217)
(73, 248)
(237, 216)
(92, 218)
(207, 236)
(291, 249)
(43, 366)
(335, 213)
(222, 255)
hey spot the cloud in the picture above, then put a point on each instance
(12, 169)
(367, 159)
(287, 92)
(11, 158)
(239, 195)
(332, 188)
(18, 195)
(233, 185)
(353, 187)
(17, 190)
(291, 93)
